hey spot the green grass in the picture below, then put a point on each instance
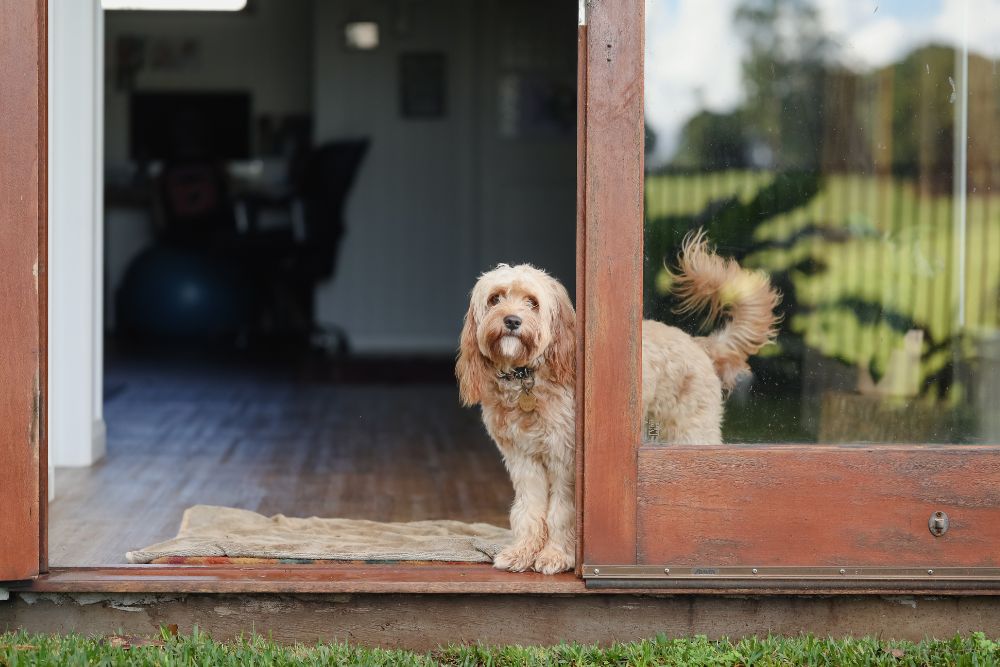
(18, 649)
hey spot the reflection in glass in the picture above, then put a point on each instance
(851, 150)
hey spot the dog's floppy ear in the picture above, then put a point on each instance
(470, 369)
(560, 356)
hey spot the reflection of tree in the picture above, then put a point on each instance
(714, 141)
(923, 117)
(783, 73)
(804, 111)
(650, 139)
(779, 125)
(839, 183)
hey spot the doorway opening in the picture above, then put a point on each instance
(298, 197)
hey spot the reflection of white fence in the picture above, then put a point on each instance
(883, 256)
(884, 266)
(986, 387)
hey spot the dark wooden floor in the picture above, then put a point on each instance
(185, 434)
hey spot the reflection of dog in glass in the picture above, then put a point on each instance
(517, 359)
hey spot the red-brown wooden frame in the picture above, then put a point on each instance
(788, 514)
(23, 370)
(626, 492)
(611, 255)
(23, 287)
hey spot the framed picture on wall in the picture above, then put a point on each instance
(423, 85)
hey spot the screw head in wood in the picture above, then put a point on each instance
(938, 524)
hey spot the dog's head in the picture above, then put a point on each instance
(518, 316)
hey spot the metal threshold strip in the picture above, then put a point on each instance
(744, 577)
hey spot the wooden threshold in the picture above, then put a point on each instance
(451, 579)
(346, 578)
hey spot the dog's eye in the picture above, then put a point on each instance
(532, 303)
(494, 300)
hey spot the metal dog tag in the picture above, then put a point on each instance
(526, 402)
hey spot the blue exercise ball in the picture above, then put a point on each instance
(175, 292)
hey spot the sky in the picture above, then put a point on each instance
(693, 52)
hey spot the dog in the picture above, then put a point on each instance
(517, 357)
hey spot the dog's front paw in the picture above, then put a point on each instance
(551, 560)
(515, 558)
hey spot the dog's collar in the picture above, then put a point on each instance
(525, 376)
(518, 373)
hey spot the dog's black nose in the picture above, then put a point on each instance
(512, 322)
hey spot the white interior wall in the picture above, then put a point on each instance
(404, 264)
(437, 201)
(527, 182)
(75, 423)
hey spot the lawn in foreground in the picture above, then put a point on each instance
(198, 649)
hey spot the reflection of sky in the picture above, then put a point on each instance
(693, 52)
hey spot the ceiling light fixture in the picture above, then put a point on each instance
(176, 5)
(361, 35)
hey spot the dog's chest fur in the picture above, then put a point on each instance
(532, 432)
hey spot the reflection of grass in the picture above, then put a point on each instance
(765, 418)
(890, 248)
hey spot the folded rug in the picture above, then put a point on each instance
(208, 531)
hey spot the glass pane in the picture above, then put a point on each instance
(849, 151)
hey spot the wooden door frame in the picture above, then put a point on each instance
(24, 311)
(23, 286)
(609, 279)
(609, 299)
(649, 519)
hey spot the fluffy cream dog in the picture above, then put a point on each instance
(517, 359)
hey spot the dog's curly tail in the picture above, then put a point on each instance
(707, 282)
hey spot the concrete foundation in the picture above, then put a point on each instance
(423, 622)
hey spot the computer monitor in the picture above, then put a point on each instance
(189, 125)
